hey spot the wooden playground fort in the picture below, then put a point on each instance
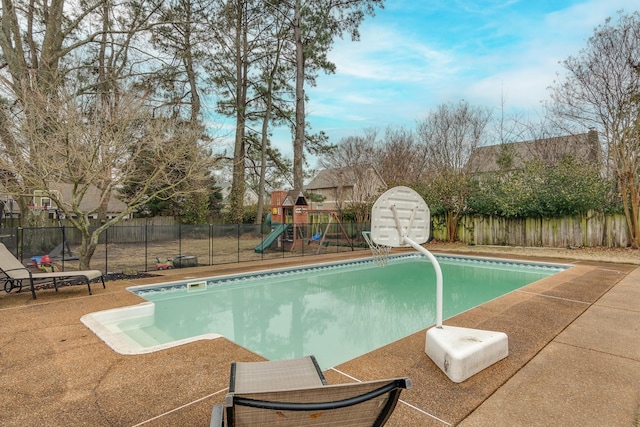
(293, 224)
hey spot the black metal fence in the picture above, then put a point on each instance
(140, 248)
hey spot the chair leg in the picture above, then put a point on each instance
(33, 289)
(217, 416)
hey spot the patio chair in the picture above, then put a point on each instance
(295, 393)
(14, 273)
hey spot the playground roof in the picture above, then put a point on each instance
(294, 198)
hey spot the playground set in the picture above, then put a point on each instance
(293, 224)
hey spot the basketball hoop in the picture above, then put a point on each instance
(38, 210)
(380, 252)
(400, 218)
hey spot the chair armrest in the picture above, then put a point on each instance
(217, 416)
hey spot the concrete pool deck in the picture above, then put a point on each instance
(574, 359)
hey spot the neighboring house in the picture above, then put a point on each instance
(250, 196)
(342, 186)
(512, 156)
(90, 202)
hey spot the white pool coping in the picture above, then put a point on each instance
(99, 322)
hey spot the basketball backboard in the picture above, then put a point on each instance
(413, 216)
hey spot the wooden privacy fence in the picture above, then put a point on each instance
(128, 231)
(588, 230)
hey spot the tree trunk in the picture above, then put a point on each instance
(630, 204)
(88, 247)
(263, 155)
(238, 184)
(452, 226)
(298, 141)
(265, 133)
(189, 66)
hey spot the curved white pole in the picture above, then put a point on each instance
(436, 266)
(430, 257)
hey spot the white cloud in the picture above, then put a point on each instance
(387, 54)
(414, 56)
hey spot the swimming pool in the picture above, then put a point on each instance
(335, 311)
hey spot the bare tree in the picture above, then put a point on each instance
(450, 134)
(150, 154)
(351, 151)
(82, 112)
(32, 44)
(601, 90)
(401, 159)
(354, 176)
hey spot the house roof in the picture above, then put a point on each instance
(91, 199)
(89, 202)
(225, 190)
(326, 178)
(583, 146)
(337, 177)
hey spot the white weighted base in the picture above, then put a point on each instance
(463, 352)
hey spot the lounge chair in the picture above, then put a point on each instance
(295, 393)
(15, 273)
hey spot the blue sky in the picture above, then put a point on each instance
(416, 54)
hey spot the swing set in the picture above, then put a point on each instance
(290, 210)
(320, 237)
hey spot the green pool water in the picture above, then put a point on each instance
(335, 312)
